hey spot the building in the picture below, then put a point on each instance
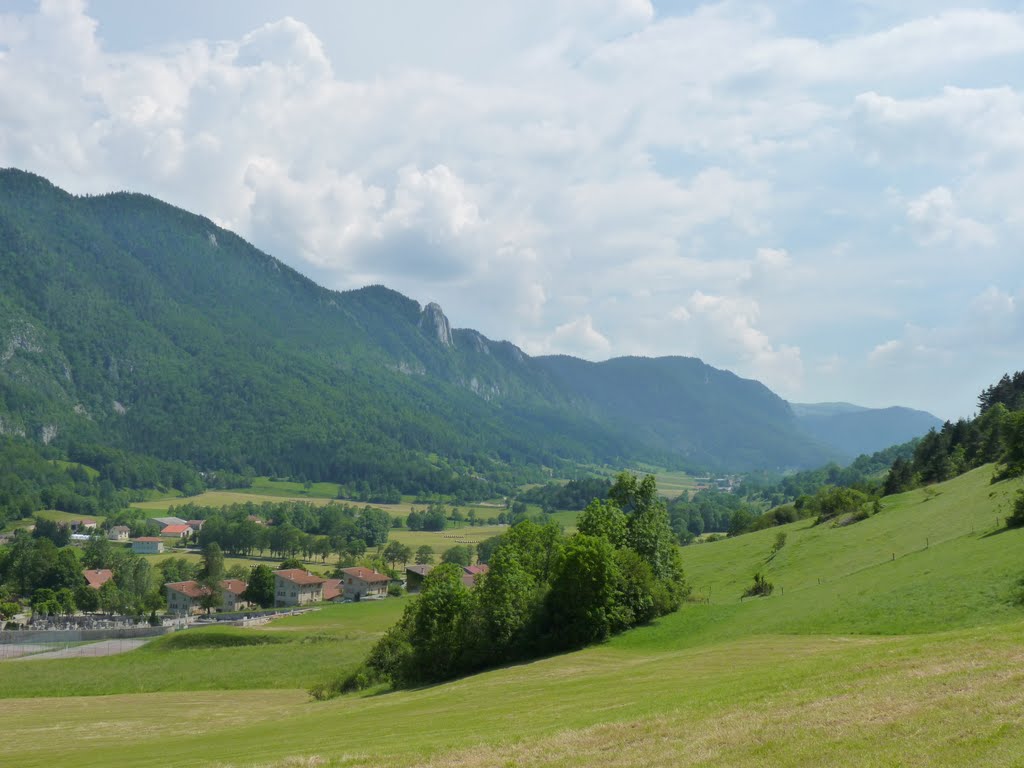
(295, 586)
(163, 522)
(195, 525)
(359, 583)
(233, 589)
(414, 576)
(119, 533)
(185, 597)
(96, 578)
(82, 525)
(332, 590)
(178, 531)
(470, 573)
(147, 545)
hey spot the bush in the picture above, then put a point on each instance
(395, 590)
(1016, 520)
(761, 587)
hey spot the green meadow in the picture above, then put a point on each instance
(894, 641)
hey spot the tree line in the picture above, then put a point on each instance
(545, 592)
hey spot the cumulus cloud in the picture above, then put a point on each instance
(729, 325)
(700, 181)
(935, 217)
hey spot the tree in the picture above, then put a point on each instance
(424, 554)
(87, 599)
(97, 553)
(261, 587)
(508, 599)
(440, 627)
(460, 554)
(396, 552)
(603, 518)
(210, 576)
(580, 605)
(44, 603)
(175, 569)
(59, 534)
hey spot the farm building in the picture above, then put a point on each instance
(358, 583)
(147, 545)
(414, 576)
(97, 577)
(295, 586)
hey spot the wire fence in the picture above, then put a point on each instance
(66, 640)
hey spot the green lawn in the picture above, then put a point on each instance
(316, 645)
(913, 661)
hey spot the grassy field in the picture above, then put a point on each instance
(289, 653)
(909, 652)
(442, 540)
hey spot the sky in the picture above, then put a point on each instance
(822, 196)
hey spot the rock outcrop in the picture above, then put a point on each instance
(433, 321)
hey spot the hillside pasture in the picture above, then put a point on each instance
(909, 652)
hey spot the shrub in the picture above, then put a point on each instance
(1016, 520)
(761, 587)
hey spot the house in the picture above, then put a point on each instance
(177, 531)
(295, 586)
(195, 525)
(82, 525)
(470, 573)
(97, 577)
(119, 533)
(332, 590)
(233, 589)
(414, 576)
(358, 583)
(185, 597)
(163, 522)
(147, 545)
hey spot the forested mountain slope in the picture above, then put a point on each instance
(853, 430)
(126, 321)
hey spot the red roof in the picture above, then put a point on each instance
(299, 576)
(96, 578)
(175, 530)
(234, 586)
(476, 570)
(332, 588)
(192, 589)
(366, 574)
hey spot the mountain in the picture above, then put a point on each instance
(853, 430)
(129, 322)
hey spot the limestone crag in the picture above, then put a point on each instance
(433, 321)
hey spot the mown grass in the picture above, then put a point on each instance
(912, 661)
(441, 541)
(289, 653)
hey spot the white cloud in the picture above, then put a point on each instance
(935, 218)
(729, 325)
(677, 178)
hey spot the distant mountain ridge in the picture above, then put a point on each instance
(126, 321)
(854, 430)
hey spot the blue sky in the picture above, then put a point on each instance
(823, 196)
